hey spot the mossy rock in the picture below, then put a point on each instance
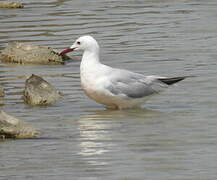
(7, 4)
(25, 53)
(11, 127)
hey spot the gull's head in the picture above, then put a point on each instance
(84, 43)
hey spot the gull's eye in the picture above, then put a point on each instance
(78, 42)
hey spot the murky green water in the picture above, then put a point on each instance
(174, 135)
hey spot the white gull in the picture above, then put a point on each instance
(115, 88)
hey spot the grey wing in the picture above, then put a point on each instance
(133, 85)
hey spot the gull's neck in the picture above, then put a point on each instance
(90, 59)
(90, 67)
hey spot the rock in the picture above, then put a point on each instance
(6, 4)
(2, 93)
(25, 53)
(11, 127)
(39, 92)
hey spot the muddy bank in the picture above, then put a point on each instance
(11, 127)
(39, 92)
(6, 4)
(26, 53)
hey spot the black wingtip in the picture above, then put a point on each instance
(170, 81)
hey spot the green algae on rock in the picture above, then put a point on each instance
(7, 4)
(25, 53)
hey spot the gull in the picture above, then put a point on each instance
(115, 88)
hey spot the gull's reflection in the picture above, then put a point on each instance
(99, 131)
(94, 134)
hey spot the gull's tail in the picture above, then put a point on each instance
(170, 81)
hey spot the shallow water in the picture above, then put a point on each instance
(172, 137)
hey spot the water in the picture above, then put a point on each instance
(173, 135)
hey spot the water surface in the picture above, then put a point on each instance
(173, 135)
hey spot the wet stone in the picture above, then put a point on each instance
(11, 127)
(6, 4)
(39, 92)
(25, 53)
(2, 93)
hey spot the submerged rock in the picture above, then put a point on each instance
(11, 127)
(6, 4)
(25, 53)
(39, 92)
